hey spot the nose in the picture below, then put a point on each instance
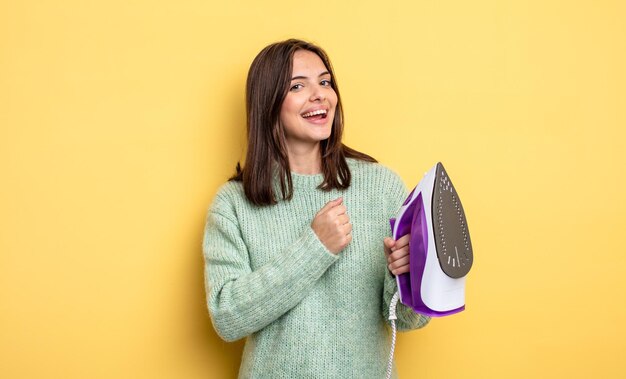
(317, 93)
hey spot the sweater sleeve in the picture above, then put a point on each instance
(407, 318)
(242, 301)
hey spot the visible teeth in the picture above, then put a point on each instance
(314, 113)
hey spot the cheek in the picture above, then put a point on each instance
(290, 107)
(333, 98)
(285, 110)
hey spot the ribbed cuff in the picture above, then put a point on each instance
(407, 318)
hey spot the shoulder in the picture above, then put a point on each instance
(229, 197)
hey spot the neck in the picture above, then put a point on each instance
(305, 160)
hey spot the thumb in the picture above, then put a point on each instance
(389, 244)
(331, 204)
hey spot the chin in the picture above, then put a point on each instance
(323, 136)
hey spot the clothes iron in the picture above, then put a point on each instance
(440, 246)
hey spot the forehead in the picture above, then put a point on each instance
(307, 63)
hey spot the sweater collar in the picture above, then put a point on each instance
(303, 181)
(300, 182)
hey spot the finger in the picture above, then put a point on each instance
(388, 243)
(339, 210)
(348, 238)
(398, 263)
(343, 219)
(347, 228)
(401, 270)
(397, 254)
(403, 241)
(331, 204)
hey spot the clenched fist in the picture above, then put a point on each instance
(332, 226)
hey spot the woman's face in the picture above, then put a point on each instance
(308, 110)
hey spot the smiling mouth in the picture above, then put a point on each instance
(316, 115)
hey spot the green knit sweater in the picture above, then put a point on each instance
(306, 313)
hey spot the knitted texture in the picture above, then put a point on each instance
(306, 313)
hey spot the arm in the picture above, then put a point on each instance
(242, 301)
(407, 318)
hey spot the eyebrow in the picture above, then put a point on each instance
(306, 77)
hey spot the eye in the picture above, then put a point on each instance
(326, 82)
(296, 87)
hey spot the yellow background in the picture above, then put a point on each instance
(119, 120)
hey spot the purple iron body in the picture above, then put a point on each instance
(440, 247)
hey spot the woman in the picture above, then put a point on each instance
(293, 245)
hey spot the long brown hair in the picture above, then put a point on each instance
(266, 88)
